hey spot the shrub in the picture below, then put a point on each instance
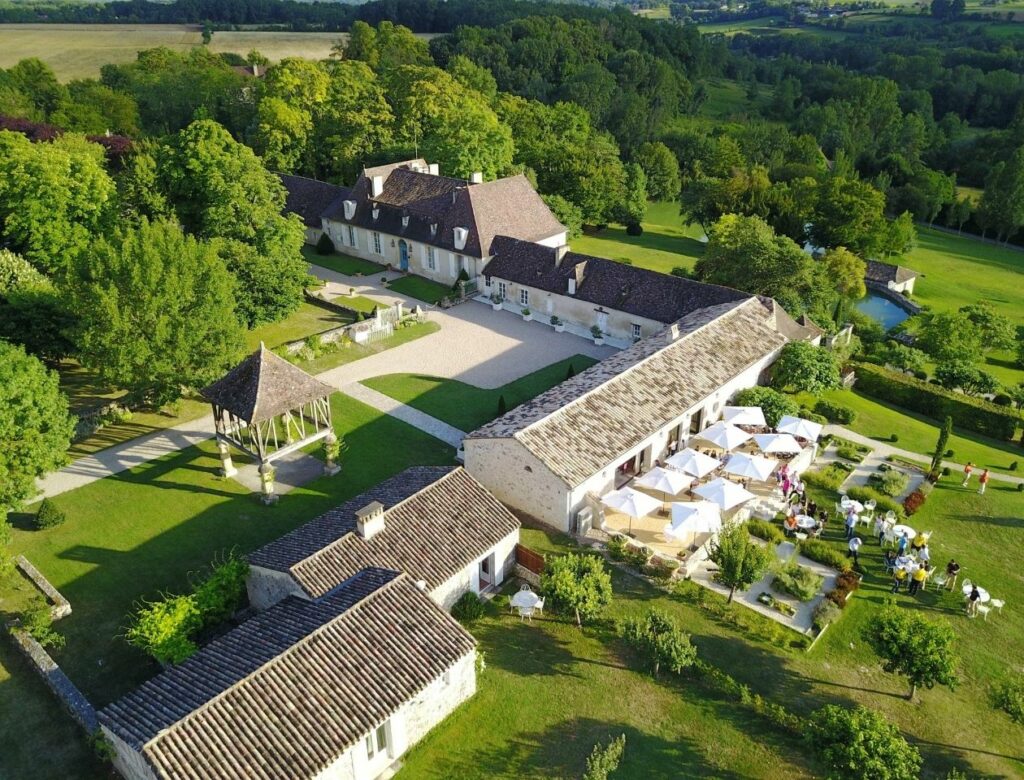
(883, 503)
(37, 620)
(163, 628)
(971, 413)
(218, 596)
(637, 556)
(945, 472)
(660, 640)
(891, 482)
(828, 478)
(765, 530)
(1013, 466)
(835, 413)
(809, 414)
(822, 552)
(468, 608)
(577, 584)
(49, 515)
(894, 437)
(1009, 697)
(774, 404)
(605, 759)
(617, 548)
(846, 583)
(860, 744)
(798, 581)
(850, 453)
(826, 612)
(950, 454)
(324, 245)
(915, 500)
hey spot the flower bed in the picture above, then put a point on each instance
(797, 581)
(770, 601)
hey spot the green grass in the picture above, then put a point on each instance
(342, 264)
(918, 433)
(419, 288)
(309, 319)
(356, 302)
(666, 242)
(465, 406)
(357, 351)
(550, 692)
(146, 531)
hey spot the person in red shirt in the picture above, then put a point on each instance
(967, 474)
(982, 481)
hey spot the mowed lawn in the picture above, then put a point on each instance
(148, 531)
(550, 692)
(665, 244)
(917, 433)
(465, 406)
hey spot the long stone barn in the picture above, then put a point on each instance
(616, 418)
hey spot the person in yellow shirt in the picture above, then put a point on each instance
(898, 578)
(919, 541)
(917, 581)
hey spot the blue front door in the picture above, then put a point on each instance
(403, 255)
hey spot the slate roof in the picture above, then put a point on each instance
(883, 273)
(437, 521)
(288, 691)
(309, 198)
(581, 426)
(603, 282)
(264, 385)
(433, 206)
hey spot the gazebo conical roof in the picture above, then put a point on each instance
(263, 386)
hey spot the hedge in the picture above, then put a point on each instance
(972, 414)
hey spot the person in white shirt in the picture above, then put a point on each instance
(924, 554)
(855, 544)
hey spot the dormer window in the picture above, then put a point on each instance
(376, 213)
(433, 228)
(350, 209)
(405, 221)
(461, 234)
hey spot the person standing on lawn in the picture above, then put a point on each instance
(952, 572)
(967, 474)
(982, 482)
(851, 521)
(899, 576)
(917, 580)
(855, 544)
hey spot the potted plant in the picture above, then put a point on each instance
(598, 334)
(526, 314)
(558, 324)
(351, 292)
(496, 301)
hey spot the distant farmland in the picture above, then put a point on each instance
(78, 50)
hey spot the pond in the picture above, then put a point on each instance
(880, 308)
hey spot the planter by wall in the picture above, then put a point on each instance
(559, 328)
(599, 341)
(526, 318)
(496, 306)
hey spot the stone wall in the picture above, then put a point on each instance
(72, 698)
(59, 606)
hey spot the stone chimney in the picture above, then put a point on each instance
(560, 253)
(673, 332)
(256, 70)
(350, 209)
(572, 285)
(476, 177)
(434, 169)
(376, 186)
(460, 235)
(370, 520)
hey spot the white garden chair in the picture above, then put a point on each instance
(983, 609)
(997, 604)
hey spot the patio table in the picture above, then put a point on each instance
(897, 531)
(525, 599)
(805, 521)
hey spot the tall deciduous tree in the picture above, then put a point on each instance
(662, 169)
(157, 312)
(948, 336)
(804, 367)
(661, 641)
(1002, 202)
(940, 444)
(354, 123)
(996, 331)
(861, 744)
(578, 585)
(914, 647)
(35, 426)
(846, 271)
(740, 561)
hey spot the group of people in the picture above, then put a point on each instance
(982, 478)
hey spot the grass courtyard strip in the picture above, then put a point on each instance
(465, 406)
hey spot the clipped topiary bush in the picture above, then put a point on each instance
(798, 581)
(822, 552)
(324, 245)
(826, 612)
(762, 529)
(49, 515)
(835, 413)
(468, 608)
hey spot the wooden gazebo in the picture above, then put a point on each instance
(266, 407)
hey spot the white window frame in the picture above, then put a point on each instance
(431, 259)
(351, 236)
(637, 330)
(524, 296)
(503, 290)
(376, 243)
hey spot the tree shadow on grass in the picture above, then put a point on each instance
(943, 757)
(524, 649)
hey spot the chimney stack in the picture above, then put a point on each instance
(560, 253)
(673, 331)
(370, 520)
(376, 186)
(434, 169)
(476, 178)
(572, 285)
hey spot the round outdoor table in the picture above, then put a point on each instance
(898, 530)
(981, 591)
(805, 521)
(912, 567)
(525, 599)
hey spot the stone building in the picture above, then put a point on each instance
(615, 419)
(886, 276)
(409, 216)
(338, 688)
(436, 523)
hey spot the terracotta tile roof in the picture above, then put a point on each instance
(264, 385)
(437, 520)
(883, 273)
(605, 283)
(426, 208)
(288, 691)
(310, 198)
(581, 426)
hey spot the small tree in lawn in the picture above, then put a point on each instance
(803, 366)
(604, 759)
(502, 406)
(860, 744)
(940, 445)
(914, 646)
(661, 641)
(740, 561)
(577, 584)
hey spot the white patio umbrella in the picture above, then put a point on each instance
(724, 492)
(798, 426)
(664, 481)
(724, 435)
(693, 517)
(743, 415)
(692, 462)
(632, 503)
(777, 443)
(751, 466)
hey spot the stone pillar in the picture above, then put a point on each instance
(266, 472)
(398, 308)
(331, 466)
(227, 468)
(286, 420)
